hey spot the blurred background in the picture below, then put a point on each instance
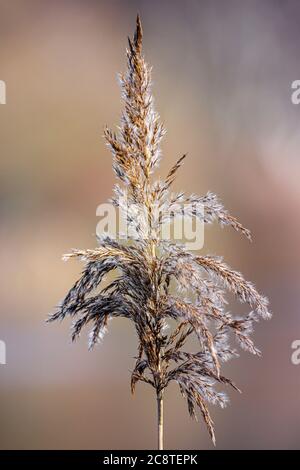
(222, 82)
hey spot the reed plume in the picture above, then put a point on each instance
(167, 292)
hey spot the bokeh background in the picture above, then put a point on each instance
(222, 83)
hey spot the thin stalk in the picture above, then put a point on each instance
(160, 421)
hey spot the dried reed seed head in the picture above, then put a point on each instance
(142, 278)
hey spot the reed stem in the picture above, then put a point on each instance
(160, 421)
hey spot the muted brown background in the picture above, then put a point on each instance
(222, 77)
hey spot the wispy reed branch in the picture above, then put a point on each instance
(147, 266)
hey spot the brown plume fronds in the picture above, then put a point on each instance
(139, 275)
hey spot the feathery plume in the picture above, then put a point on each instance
(146, 268)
